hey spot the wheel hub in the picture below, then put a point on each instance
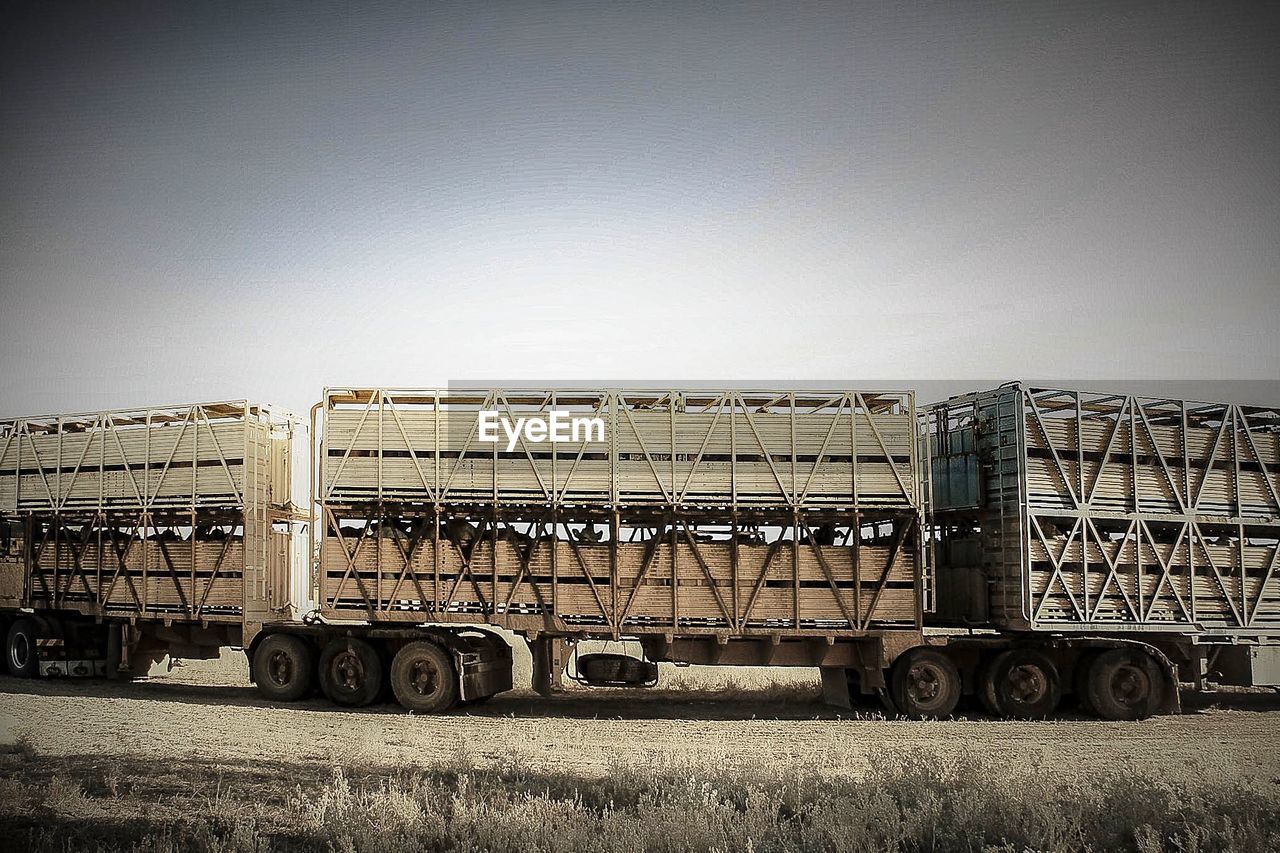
(1027, 684)
(1130, 685)
(424, 677)
(925, 683)
(349, 669)
(280, 668)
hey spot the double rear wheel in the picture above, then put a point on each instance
(421, 675)
(1114, 684)
(1021, 683)
(350, 672)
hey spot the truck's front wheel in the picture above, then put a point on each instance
(284, 667)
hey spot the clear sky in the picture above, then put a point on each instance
(228, 200)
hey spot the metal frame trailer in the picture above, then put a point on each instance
(718, 527)
(1105, 546)
(127, 536)
(1021, 546)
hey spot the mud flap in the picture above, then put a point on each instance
(485, 670)
(1171, 702)
(835, 687)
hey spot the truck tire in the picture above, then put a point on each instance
(1023, 684)
(985, 688)
(284, 667)
(423, 678)
(20, 653)
(1124, 684)
(350, 672)
(924, 684)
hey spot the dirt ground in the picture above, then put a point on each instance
(208, 712)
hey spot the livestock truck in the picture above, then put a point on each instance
(1017, 546)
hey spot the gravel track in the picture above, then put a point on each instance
(208, 711)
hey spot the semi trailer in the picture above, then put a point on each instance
(1020, 546)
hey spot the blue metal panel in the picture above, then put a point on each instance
(956, 475)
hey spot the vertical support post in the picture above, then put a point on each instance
(1186, 458)
(28, 553)
(1133, 451)
(671, 408)
(57, 557)
(1137, 566)
(855, 405)
(145, 524)
(615, 529)
(436, 450)
(733, 455)
(613, 399)
(549, 658)
(856, 536)
(197, 600)
(791, 408)
(1244, 571)
(100, 521)
(1084, 566)
(795, 567)
(19, 429)
(1080, 447)
(493, 563)
(555, 451)
(57, 480)
(555, 562)
(675, 573)
(435, 555)
(733, 568)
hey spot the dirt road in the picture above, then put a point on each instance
(208, 711)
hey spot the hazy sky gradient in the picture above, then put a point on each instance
(218, 201)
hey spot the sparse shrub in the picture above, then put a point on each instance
(906, 801)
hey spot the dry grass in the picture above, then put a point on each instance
(907, 801)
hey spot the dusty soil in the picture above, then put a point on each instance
(208, 712)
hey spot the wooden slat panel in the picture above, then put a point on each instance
(388, 450)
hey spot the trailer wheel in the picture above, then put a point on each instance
(284, 667)
(986, 687)
(350, 672)
(924, 683)
(1124, 684)
(1024, 684)
(423, 679)
(20, 648)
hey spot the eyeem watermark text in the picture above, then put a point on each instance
(557, 426)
